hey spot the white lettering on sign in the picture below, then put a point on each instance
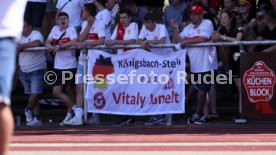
(259, 92)
(259, 81)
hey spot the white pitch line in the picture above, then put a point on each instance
(146, 144)
(143, 153)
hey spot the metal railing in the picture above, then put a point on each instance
(86, 48)
(235, 43)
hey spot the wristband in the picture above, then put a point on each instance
(178, 47)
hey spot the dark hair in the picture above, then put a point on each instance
(63, 14)
(149, 16)
(232, 17)
(128, 12)
(91, 8)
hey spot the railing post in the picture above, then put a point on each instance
(85, 60)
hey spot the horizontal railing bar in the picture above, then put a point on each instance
(235, 43)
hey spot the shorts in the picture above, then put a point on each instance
(202, 80)
(65, 77)
(7, 63)
(33, 82)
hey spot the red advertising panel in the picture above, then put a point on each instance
(258, 86)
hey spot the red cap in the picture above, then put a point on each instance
(196, 9)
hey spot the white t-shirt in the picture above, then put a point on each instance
(159, 32)
(35, 60)
(105, 17)
(97, 31)
(64, 59)
(131, 32)
(11, 18)
(42, 1)
(73, 9)
(202, 59)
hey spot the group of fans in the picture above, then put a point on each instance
(82, 23)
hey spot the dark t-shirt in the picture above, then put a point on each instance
(233, 34)
(234, 65)
(248, 18)
(267, 34)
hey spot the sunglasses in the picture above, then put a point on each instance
(243, 5)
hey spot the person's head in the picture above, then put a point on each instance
(196, 14)
(244, 6)
(125, 17)
(229, 4)
(88, 10)
(228, 19)
(27, 27)
(130, 5)
(149, 21)
(110, 4)
(175, 2)
(270, 17)
(237, 17)
(63, 19)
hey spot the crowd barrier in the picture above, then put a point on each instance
(265, 104)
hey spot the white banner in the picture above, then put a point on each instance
(136, 82)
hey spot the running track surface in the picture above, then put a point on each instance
(226, 138)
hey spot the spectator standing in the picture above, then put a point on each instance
(32, 69)
(229, 32)
(11, 24)
(246, 16)
(92, 34)
(125, 33)
(268, 33)
(202, 59)
(104, 17)
(119, 36)
(60, 38)
(73, 9)
(154, 34)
